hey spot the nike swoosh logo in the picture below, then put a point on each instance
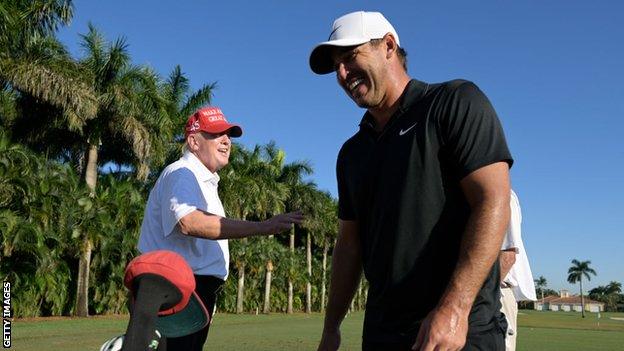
(402, 132)
(332, 33)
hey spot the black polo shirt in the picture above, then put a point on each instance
(402, 186)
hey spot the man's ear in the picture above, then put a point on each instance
(391, 45)
(191, 142)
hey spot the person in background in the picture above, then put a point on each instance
(184, 213)
(516, 277)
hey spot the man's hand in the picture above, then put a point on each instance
(507, 258)
(282, 222)
(444, 328)
(330, 341)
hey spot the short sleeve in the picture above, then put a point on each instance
(513, 235)
(181, 195)
(472, 132)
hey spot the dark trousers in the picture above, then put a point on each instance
(206, 288)
(490, 340)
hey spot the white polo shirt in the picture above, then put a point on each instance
(519, 277)
(183, 187)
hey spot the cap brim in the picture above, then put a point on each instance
(192, 318)
(320, 58)
(233, 130)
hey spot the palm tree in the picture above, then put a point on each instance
(576, 273)
(128, 116)
(299, 194)
(540, 284)
(317, 206)
(181, 102)
(34, 63)
(613, 288)
(609, 294)
(250, 191)
(122, 205)
(329, 230)
(238, 189)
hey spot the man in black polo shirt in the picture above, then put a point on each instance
(423, 199)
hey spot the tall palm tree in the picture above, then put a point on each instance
(576, 273)
(317, 203)
(250, 191)
(329, 231)
(540, 284)
(237, 190)
(272, 199)
(291, 175)
(129, 114)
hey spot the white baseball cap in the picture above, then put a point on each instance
(352, 29)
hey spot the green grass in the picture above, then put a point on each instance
(558, 331)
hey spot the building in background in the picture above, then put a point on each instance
(566, 302)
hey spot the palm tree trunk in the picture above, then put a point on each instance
(267, 287)
(289, 309)
(91, 171)
(240, 291)
(84, 263)
(309, 266)
(582, 299)
(82, 289)
(324, 278)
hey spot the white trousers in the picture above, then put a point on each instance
(510, 309)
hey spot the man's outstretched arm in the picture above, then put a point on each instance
(206, 225)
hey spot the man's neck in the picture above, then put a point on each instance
(390, 103)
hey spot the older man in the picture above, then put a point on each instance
(516, 277)
(184, 213)
(423, 199)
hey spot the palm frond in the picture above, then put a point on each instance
(55, 84)
(203, 96)
(93, 44)
(138, 136)
(176, 86)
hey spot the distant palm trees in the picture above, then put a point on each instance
(609, 294)
(576, 273)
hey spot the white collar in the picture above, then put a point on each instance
(202, 172)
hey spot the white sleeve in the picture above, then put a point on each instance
(512, 235)
(181, 195)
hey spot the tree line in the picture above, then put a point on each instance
(69, 228)
(610, 294)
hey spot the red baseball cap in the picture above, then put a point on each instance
(190, 314)
(210, 119)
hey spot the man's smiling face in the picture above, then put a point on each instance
(360, 71)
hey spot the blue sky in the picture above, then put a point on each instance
(553, 70)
